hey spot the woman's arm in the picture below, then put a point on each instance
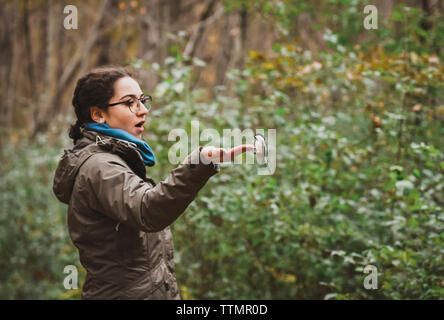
(111, 187)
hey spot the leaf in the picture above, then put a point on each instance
(330, 296)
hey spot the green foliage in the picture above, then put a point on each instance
(34, 241)
(359, 177)
(357, 182)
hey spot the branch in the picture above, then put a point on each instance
(199, 28)
(28, 45)
(78, 62)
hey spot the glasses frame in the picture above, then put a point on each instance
(145, 96)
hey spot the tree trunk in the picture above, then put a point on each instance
(77, 64)
(243, 36)
(197, 34)
(224, 56)
(29, 48)
(12, 64)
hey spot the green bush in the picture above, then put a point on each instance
(34, 241)
(359, 176)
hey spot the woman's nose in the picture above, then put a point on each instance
(142, 110)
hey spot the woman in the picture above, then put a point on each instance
(118, 217)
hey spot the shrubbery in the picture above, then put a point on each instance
(359, 180)
(358, 177)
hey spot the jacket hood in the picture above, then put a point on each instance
(68, 168)
(91, 143)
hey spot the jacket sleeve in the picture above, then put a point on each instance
(111, 187)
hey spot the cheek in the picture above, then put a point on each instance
(119, 119)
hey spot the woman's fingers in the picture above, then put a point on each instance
(234, 152)
(218, 155)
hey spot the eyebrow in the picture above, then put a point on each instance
(131, 95)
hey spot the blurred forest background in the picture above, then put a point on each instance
(359, 117)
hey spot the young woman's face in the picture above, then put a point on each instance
(120, 116)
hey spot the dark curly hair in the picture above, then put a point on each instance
(95, 88)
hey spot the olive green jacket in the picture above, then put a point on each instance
(119, 218)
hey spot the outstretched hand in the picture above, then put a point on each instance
(219, 155)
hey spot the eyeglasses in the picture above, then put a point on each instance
(133, 103)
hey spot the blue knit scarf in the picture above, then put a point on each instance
(147, 154)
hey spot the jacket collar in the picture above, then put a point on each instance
(125, 149)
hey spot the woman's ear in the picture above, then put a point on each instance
(97, 115)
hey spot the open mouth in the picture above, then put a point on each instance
(140, 124)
